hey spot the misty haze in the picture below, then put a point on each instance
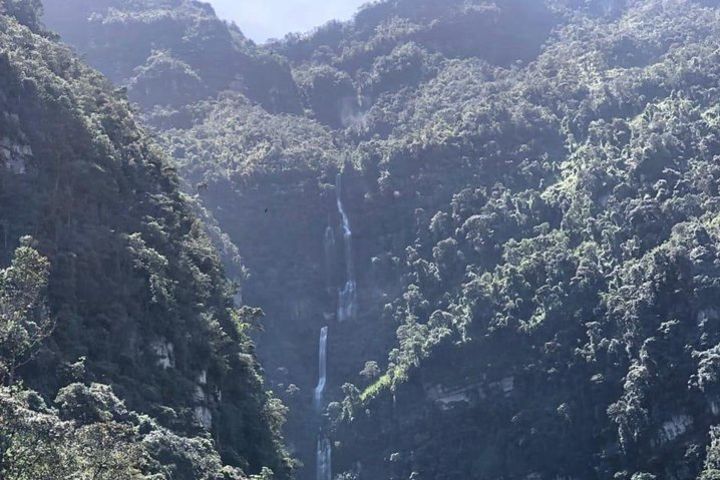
(394, 240)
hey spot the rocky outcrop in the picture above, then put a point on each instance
(164, 352)
(15, 156)
(677, 426)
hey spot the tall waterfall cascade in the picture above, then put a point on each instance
(347, 296)
(324, 459)
(347, 307)
(322, 377)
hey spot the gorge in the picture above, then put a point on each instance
(446, 239)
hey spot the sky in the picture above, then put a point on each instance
(264, 19)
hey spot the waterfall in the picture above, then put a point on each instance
(329, 244)
(324, 449)
(347, 296)
(347, 231)
(347, 301)
(324, 459)
(322, 378)
(347, 306)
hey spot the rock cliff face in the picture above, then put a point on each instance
(532, 193)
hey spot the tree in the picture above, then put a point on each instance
(351, 402)
(27, 12)
(265, 474)
(643, 476)
(36, 443)
(371, 371)
(712, 462)
(24, 318)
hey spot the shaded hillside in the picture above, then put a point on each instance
(171, 52)
(135, 291)
(532, 196)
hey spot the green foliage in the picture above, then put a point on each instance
(35, 443)
(136, 290)
(266, 474)
(585, 262)
(233, 140)
(371, 371)
(374, 390)
(24, 319)
(643, 476)
(712, 462)
(351, 403)
(27, 12)
(536, 185)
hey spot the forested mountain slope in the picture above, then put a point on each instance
(115, 308)
(171, 52)
(529, 201)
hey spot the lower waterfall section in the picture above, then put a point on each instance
(324, 447)
(324, 459)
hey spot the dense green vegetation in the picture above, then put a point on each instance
(121, 352)
(533, 187)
